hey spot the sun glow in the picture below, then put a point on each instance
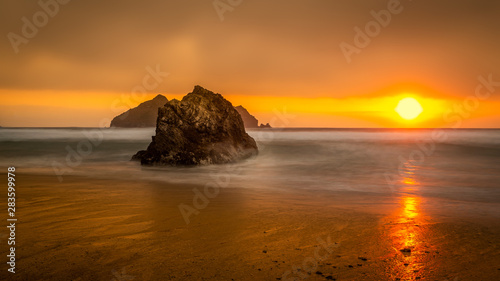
(409, 108)
(21, 108)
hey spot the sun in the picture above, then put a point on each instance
(409, 108)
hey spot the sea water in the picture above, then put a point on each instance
(461, 165)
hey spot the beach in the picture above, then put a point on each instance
(96, 229)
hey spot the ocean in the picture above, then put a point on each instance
(459, 166)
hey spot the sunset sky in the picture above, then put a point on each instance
(81, 68)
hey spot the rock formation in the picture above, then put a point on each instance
(267, 126)
(202, 128)
(248, 119)
(143, 115)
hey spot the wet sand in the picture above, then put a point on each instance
(101, 229)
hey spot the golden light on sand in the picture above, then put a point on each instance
(408, 229)
(410, 204)
(409, 108)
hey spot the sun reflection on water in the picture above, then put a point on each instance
(406, 230)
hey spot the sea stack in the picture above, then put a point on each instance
(144, 115)
(248, 119)
(203, 128)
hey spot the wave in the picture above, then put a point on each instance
(330, 159)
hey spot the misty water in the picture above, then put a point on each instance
(462, 166)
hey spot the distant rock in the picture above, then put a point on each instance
(262, 126)
(249, 120)
(144, 115)
(202, 128)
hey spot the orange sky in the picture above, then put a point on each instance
(70, 109)
(81, 68)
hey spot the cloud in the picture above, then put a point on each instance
(262, 47)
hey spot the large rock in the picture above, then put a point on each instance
(248, 119)
(144, 115)
(202, 128)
